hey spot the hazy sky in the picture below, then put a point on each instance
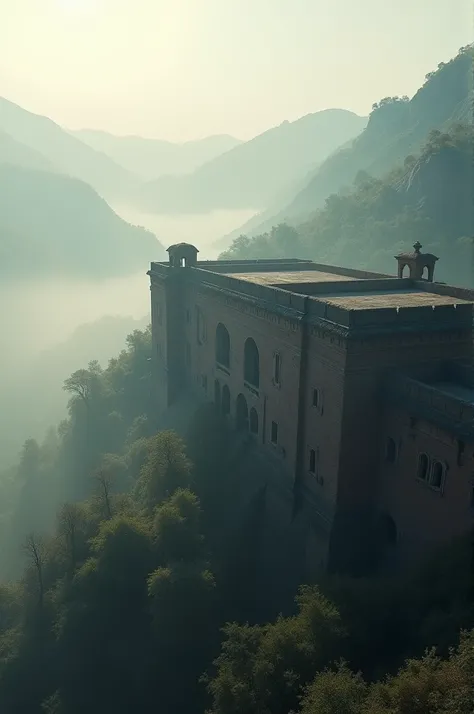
(182, 69)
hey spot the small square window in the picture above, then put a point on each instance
(312, 461)
(274, 436)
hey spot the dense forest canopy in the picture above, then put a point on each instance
(122, 593)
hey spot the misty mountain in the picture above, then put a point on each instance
(14, 152)
(151, 158)
(252, 174)
(65, 152)
(50, 224)
(397, 127)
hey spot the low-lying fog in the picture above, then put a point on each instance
(201, 229)
(42, 344)
(51, 328)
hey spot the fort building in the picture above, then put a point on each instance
(356, 388)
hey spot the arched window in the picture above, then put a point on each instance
(390, 450)
(217, 394)
(251, 363)
(423, 466)
(225, 400)
(437, 475)
(242, 413)
(222, 345)
(253, 421)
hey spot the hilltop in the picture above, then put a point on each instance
(252, 174)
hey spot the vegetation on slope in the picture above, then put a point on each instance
(428, 198)
(397, 127)
(132, 604)
(51, 224)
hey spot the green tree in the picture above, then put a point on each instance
(177, 528)
(263, 670)
(338, 691)
(166, 468)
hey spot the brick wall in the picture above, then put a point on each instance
(423, 516)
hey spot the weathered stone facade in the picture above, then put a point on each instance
(345, 379)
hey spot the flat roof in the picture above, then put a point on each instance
(284, 277)
(388, 298)
(459, 391)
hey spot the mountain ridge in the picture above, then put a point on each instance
(252, 173)
(397, 127)
(66, 153)
(150, 158)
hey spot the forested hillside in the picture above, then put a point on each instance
(429, 198)
(51, 224)
(397, 127)
(131, 600)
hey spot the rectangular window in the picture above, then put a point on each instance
(316, 398)
(312, 461)
(277, 368)
(274, 436)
